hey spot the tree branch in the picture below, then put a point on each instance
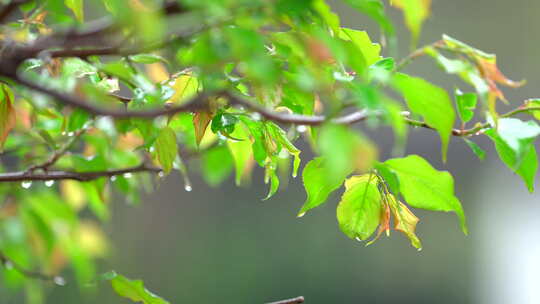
(8, 9)
(289, 301)
(21, 176)
(9, 263)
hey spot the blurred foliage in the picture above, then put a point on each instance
(89, 107)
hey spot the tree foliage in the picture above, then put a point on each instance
(92, 106)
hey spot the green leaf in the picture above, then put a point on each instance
(217, 165)
(466, 104)
(424, 187)
(166, 148)
(525, 166)
(359, 210)
(241, 152)
(518, 134)
(327, 15)
(375, 10)
(77, 120)
(223, 122)
(282, 138)
(371, 51)
(317, 184)
(134, 290)
(77, 6)
(476, 149)
(147, 58)
(415, 12)
(343, 149)
(430, 101)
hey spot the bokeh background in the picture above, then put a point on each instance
(225, 245)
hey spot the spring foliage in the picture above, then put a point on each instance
(218, 88)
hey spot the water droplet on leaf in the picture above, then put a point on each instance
(301, 128)
(301, 214)
(188, 188)
(49, 183)
(26, 184)
(113, 178)
(128, 175)
(59, 281)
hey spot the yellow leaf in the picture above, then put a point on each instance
(405, 221)
(157, 72)
(73, 194)
(201, 120)
(185, 86)
(415, 12)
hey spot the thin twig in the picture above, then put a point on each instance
(57, 154)
(9, 263)
(289, 301)
(56, 175)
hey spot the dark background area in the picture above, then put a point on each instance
(225, 245)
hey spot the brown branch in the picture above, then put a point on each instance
(289, 301)
(55, 175)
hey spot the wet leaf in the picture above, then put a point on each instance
(359, 210)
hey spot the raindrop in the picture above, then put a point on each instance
(8, 265)
(358, 239)
(64, 133)
(188, 188)
(128, 175)
(161, 174)
(113, 178)
(26, 184)
(420, 249)
(301, 128)
(59, 281)
(301, 214)
(256, 116)
(71, 134)
(49, 183)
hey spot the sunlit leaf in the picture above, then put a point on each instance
(415, 12)
(134, 290)
(359, 210)
(166, 148)
(424, 187)
(430, 101)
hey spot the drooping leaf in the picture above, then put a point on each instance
(317, 184)
(166, 148)
(415, 12)
(375, 10)
(476, 149)
(430, 101)
(133, 290)
(525, 165)
(7, 113)
(518, 134)
(217, 164)
(466, 104)
(201, 119)
(424, 187)
(282, 138)
(242, 153)
(405, 221)
(359, 210)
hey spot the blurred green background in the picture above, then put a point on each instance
(225, 245)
